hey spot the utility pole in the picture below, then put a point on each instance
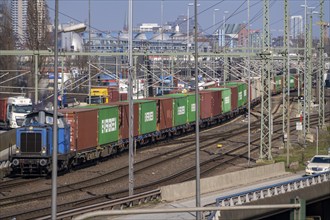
(306, 78)
(225, 68)
(310, 72)
(285, 62)
(55, 127)
(130, 98)
(286, 86)
(89, 50)
(266, 117)
(36, 56)
(198, 173)
(321, 69)
(249, 86)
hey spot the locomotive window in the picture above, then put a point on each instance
(50, 121)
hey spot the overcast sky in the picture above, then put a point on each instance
(110, 14)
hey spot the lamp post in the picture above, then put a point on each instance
(214, 10)
(188, 26)
(215, 31)
(223, 43)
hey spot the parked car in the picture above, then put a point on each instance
(318, 164)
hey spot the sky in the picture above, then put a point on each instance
(109, 15)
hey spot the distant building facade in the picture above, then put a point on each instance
(19, 16)
(18, 11)
(296, 26)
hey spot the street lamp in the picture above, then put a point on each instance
(216, 35)
(76, 28)
(223, 43)
(188, 26)
(214, 10)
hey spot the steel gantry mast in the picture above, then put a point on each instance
(266, 138)
(286, 81)
(321, 69)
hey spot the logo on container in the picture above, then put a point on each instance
(109, 125)
(240, 95)
(148, 116)
(193, 107)
(181, 110)
(227, 100)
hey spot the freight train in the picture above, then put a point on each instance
(97, 131)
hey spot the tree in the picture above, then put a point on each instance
(38, 36)
(6, 42)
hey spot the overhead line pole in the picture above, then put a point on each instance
(249, 88)
(130, 98)
(54, 159)
(198, 196)
(321, 69)
(89, 50)
(287, 83)
(266, 117)
(285, 59)
(306, 61)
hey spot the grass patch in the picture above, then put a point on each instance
(300, 154)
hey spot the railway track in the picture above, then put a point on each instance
(226, 157)
(128, 201)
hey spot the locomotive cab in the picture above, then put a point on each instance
(34, 145)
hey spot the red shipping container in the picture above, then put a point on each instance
(296, 79)
(113, 94)
(124, 119)
(83, 127)
(3, 110)
(123, 96)
(210, 104)
(164, 112)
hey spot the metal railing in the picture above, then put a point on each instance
(269, 191)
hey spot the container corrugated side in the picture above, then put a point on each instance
(147, 115)
(164, 112)
(191, 105)
(123, 119)
(180, 110)
(242, 92)
(210, 104)
(108, 130)
(226, 98)
(83, 124)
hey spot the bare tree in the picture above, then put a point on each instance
(6, 43)
(38, 34)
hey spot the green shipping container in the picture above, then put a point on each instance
(108, 130)
(226, 98)
(180, 110)
(278, 82)
(292, 79)
(147, 116)
(242, 92)
(191, 103)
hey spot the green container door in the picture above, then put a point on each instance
(191, 103)
(226, 98)
(147, 116)
(278, 82)
(245, 93)
(180, 111)
(242, 92)
(108, 129)
(292, 82)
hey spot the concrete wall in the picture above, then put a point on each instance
(7, 139)
(211, 184)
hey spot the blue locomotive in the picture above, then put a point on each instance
(34, 145)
